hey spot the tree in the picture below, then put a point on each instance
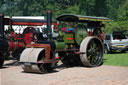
(114, 9)
(113, 6)
(100, 8)
(87, 7)
(55, 9)
(73, 9)
(10, 8)
(123, 12)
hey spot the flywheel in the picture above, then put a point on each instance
(80, 33)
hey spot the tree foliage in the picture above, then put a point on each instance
(123, 12)
(116, 10)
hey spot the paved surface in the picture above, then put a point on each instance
(103, 75)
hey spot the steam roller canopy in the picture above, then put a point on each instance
(80, 33)
(29, 59)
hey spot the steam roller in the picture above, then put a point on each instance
(74, 46)
(33, 60)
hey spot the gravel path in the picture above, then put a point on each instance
(103, 75)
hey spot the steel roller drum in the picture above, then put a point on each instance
(29, 60)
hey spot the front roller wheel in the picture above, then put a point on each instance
(92, 49)
(31, 59)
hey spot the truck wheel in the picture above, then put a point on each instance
(92, 51)
(123, 51)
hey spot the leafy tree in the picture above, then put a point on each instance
(55, 9)
(114, 9)
(113, 6)
(73, 9)
(111, 26)
(87, 6)
(123, 12)
(100, 8)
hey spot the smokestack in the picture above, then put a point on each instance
(1, 26)
(49, 21)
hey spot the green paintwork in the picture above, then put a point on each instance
(68, 38)
(80, 33)
(60, 45)
(61, 34)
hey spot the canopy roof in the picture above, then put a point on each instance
(79, 18)
(19, 21)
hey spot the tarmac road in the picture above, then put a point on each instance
(103, 75)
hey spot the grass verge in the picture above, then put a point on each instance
(116, 59)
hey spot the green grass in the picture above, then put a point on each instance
(116, 59)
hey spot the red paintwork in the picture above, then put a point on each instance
(31, 23)
(46, 46)
(28, 38)
(63, 29)
(90, 33)
(102, 36)
(57, 57)
(69, 39)
(15, 36)
(14, 45)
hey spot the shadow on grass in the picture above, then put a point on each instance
(104, 60)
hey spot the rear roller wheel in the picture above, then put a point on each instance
(92, 49)
(32, 60)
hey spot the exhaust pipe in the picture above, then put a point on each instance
(49, 21)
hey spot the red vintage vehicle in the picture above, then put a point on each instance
(12, 43)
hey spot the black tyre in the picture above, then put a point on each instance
(93, 50)
(123, 51)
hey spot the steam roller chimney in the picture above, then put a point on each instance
(49, 21)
